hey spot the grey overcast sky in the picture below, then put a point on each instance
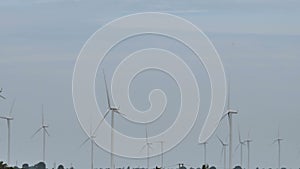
(258, 41)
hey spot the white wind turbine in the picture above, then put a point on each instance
(229, 113)
(147, 145)
(162, 152)
(8, 118)
(111, 109)
(279, 140)
(248, 141)
(223, 152)
(240, 145)
(92, 140)
(204, 151)
(43, 128)
(1, 90)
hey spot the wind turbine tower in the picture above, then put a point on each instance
(9, 118)
(279, 140)
(43, 128)
(223, 152)
(205, 152)
(240, 145)
(248, 141)
(229, 113)
(148, 146)
(92, 140)
(162, 152)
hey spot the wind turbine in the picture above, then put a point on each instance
(229, 113)
(162, 152)
(278, 140)
(43, 128)
(248, 141)
(8, 118)
(240, 145)
(1, 90)
(223, 152)
(92, 140)
(111, 109)
(147, 145)
(204, 146)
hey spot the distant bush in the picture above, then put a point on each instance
(237, 167)
(61, 167)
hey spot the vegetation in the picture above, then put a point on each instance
(4, 166)
(40, 165)
(60, 167)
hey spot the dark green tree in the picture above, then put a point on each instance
(40, 165)
(237, 167)
(205, 166)
(4, 166)
(61, 167)
(25, 166)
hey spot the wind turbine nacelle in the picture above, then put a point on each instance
(114, 109)
(231, 111)
(6, 118)
(10, 118)
(248, 141)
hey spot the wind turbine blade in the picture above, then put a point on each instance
(150, 146)
(220, 141)
(249, 135)
(228, 94)
(122, 114)
(222, 151)
(1, 90)
(12, 107)
(237, 147)
(240, 139)
(278, 132)
(97, 145)
(2, 97)
(107, 112)
(146, 134)
(224, 115)
(143, 148)
(91, 125)
(2, 117)
(106, 88)
(37, 132)
(83, 143)
(43, 120)
(47, 132)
